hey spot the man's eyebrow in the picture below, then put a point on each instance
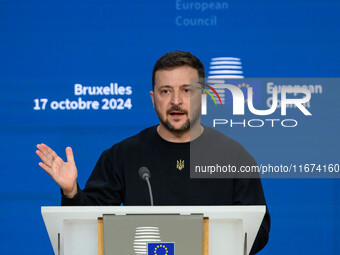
(169, 86)
(164, 86)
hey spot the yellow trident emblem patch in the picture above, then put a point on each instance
(180, 164)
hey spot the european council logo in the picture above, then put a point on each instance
(161, 248)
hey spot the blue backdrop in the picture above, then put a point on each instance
(47, 47)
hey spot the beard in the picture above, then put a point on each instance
(185, 127)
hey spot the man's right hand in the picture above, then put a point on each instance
(63, 173)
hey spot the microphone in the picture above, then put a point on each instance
(145, 174)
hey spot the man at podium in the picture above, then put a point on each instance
(165, 150)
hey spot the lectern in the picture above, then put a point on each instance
(74, 229)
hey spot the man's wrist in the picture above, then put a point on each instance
(72, 193)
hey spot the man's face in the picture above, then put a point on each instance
(176, 101)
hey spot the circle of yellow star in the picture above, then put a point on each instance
(161, 246)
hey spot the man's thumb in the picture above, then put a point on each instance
(69, 154)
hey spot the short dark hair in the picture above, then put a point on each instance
(176, 59)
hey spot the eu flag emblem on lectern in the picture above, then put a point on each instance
(161, 248)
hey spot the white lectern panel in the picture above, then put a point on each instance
(77, 225)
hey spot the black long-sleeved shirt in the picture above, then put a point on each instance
(115, 178)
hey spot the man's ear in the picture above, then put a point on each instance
(152, 98)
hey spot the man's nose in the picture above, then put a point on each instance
(176, 98)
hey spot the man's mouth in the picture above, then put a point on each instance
(175, 113)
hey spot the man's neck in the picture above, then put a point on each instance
(182, 137)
